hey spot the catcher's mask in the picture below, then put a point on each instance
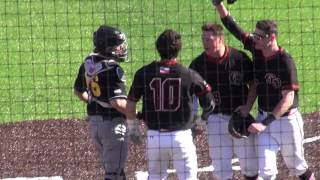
(111, 42)
(238, 125)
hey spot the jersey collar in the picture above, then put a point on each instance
(221, 59)
(168, 62)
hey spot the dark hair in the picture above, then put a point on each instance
(168, 44)
(216, 29)
(267, 26)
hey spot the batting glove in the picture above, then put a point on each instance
(134, 132)
(216, 2)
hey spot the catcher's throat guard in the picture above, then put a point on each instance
(238, 125)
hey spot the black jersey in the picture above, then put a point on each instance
(273, 75)
(104, 79)
(229, 77)
(167, 88)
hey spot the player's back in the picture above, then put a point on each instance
(167, 95)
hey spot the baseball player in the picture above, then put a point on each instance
(167, 89)
(100, 83)
(229, 72)
(279, 124)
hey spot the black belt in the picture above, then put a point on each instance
(285, 114)
(163, 130)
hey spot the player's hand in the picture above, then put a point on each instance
(134, 132)
(216, 2)
(256, 128)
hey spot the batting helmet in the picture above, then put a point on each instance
(238, 125)
(111, 42)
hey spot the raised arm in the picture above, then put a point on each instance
(229, 22)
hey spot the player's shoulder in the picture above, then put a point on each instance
(193, 74)
(242, 55)
(285, 57)
(94, 57)
(285, 54)
(146, 68)
(197, 61)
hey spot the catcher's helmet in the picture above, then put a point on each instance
(111, 42)
(238, 125)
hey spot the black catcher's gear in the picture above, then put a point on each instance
(111, 42)
(238, 125)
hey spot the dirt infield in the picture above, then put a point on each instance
(63, 148)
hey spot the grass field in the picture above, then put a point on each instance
(42, 44)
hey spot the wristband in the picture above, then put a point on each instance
(268, 120)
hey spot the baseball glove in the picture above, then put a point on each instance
(238, 125)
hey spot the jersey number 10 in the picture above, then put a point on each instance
(166, 93)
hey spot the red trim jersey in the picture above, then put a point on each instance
(166, 88)
(228, 76)
(273, 75)
(107, 83)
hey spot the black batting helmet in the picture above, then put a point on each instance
(110, 42)
(238, 125)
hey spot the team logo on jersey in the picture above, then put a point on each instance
(235, 78)
(164, 70)
(273, 80)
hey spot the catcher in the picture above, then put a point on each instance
(100, 84)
